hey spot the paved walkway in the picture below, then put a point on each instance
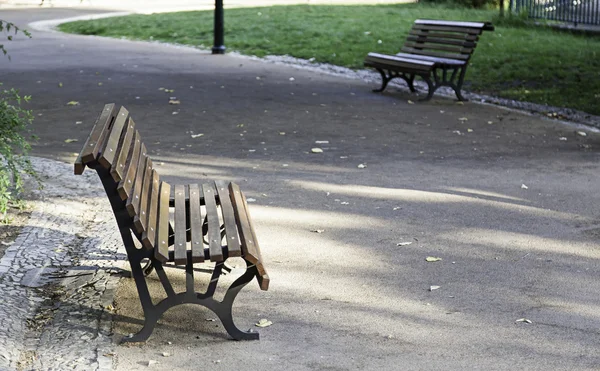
(507, 200)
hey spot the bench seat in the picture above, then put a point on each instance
(446, 45)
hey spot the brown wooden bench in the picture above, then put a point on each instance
(437, 51)
(210, 223)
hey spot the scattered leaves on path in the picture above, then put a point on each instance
(263, 323)
(524, 320)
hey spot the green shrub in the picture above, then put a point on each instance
(14, 147)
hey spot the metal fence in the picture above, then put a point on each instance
(571, 11)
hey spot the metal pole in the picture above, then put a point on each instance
(219, 44)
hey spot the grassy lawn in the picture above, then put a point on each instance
(519, 62)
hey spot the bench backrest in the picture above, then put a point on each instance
(116, 146)
(444, 39)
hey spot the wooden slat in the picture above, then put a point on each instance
(140, 221)
(385, 61)
(161, 251)
(482, 25)
(443, 41)
(436, 60)
(98, 134)
(149, 235)
(470, 31)
(231, 232)
(433, 46)
(133, 201)
(196, 224)
(126, 184)
(212, 216)
(118, 168)
(435, 54)
(180, 226)
(454, 36)
(250, 247)
(438, 22)
(109, 148)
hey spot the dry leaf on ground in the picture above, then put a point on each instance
(263, 323)
(432, 259)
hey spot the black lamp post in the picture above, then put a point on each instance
(219, 44)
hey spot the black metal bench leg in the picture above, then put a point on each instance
(224, 309)
(431, 88)
(411, 83)
(384, 81)
(458, 87)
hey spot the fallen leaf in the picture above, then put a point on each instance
(174, 102)
(282, 133)
(70, 140)
(60, 84)
(432, 259)
(166, 354)
(524, 320)
(361, 166)
(410, 102)
(210, 320)
(318, 230)
(562, 138)
(321, 142)
(263, 323)
(469, 130)
(6, 243)
(78, 122)
(431, 288)
(523, 186)
(197, 135)
(316, 150)
(460, 103)
(463, 119)
(490, 122)
(251, 200)
(99, 84)
(292, 79)
(404, 243)
(344, 203)
(73, 103)
(152, 362)
(582, 133)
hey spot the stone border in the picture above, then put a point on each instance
(59, 276)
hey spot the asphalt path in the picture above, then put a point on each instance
(506, 200)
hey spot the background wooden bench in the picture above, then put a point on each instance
(437, 51)
(210, 222)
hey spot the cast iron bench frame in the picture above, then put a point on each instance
(437, 51)
(211, 218)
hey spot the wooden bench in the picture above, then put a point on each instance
(437, 51)
(210, 223)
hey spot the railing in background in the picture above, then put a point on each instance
(571, 11)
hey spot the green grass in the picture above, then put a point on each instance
(529, 63)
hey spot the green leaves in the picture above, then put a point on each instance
(6, 27)
(14, 148)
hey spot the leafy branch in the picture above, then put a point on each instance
(10, 29)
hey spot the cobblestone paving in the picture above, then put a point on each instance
(58, 278)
